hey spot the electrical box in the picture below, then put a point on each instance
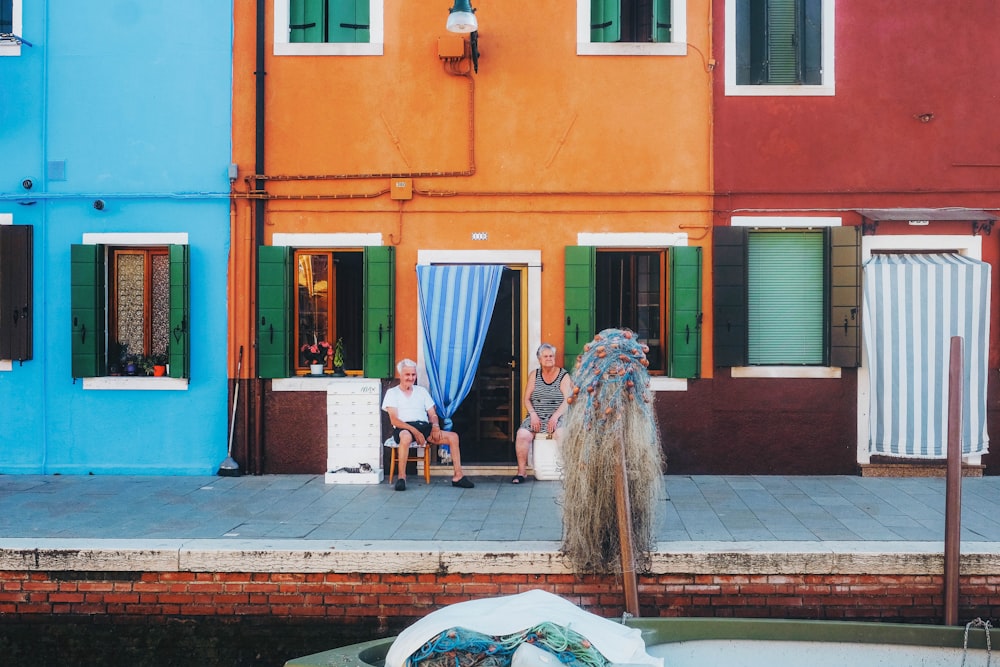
(451, 46)
(354, 431)
(401, 188)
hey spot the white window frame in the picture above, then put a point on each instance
(283, 47)
(13, 48)
(826, 89)
(786, 222)
(135, 239)
(676, 47)
(658, 241)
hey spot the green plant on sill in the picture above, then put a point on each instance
(338, 353)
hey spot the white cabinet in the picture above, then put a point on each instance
(354, 431)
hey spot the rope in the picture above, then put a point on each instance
(977, 623)
(461, 647)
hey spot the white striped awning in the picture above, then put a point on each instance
(913, 305)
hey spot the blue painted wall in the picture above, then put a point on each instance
(135, 98)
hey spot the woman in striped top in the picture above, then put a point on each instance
(545, 400)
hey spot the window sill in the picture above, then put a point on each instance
(780, 91)
(137, 383)
(660, 383)
(327, 49)
(630, 49)
(310, 382)
(809, 372)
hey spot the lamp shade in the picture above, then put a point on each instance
(461, 17)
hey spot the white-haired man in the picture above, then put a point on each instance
(414, 419)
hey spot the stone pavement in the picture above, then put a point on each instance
(695, 509)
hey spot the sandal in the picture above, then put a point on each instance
(517, 479)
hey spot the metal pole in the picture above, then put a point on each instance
(624, 511)
(953, 486)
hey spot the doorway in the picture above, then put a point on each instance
(489, 416)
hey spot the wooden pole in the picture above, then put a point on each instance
(624, 511)
(953, 486)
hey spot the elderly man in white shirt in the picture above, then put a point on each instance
(414, 419)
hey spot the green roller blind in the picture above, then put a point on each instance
(180, 312)
(379, 286)
(274, 344)
(87, 311)
(684, 350)
(786, 306)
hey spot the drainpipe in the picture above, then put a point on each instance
(258, 216)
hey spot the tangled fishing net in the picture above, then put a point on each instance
(611, 407)
(461, 647)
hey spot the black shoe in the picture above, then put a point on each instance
(463, 483)
(400, 484)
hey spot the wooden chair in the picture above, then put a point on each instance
(413, 455)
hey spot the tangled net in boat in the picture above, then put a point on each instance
(461, 647)
(611, 407)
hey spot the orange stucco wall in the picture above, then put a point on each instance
(541, 144)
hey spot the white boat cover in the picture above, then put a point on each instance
(510, 614)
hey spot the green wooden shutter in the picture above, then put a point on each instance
(684, 354)
(729, 269)
(786, 298)
(87, 311)
(845, 296)
(179, 354)
(380, 291)
(579, 307)
(348, 21)
(744, 40)
(605, 21)
(274, 345)
(306, 21)
(662, 30)
(782, 42)
(16, 282)
(812, 42)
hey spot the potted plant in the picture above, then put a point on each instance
(159, 363)
(316, 355)
(338, 358)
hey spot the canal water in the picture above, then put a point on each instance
(102, 642)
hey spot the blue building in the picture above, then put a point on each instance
(115, 145)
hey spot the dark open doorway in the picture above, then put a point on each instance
(489, 416)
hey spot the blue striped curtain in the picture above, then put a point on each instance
(456, 305)
(913, 305)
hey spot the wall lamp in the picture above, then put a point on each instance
(462, 17)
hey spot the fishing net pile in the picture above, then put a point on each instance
(611, 408)
(461, 647)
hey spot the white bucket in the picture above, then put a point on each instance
(546, 460)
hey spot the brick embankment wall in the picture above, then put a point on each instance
(383, 604)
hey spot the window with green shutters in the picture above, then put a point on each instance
(327, 21)
(779, 42)
(129, 304)
(311, 294)
(630, 21)
(787, 297)
(654, 292)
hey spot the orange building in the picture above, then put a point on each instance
(370, 140)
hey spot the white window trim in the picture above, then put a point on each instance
(676, 47)
(969, 246)
(332, 240)
(640, 240)
(787, 222)
(6, 219)
(374, 47)
(826, 89)
(13, 48)
(124, 382)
